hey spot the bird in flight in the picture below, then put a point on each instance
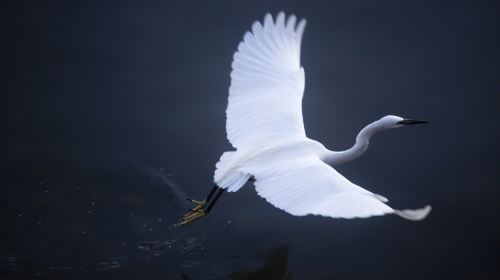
(265, 126)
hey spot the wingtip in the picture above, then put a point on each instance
(280, 19)
(301, 26)
(268, 19)
(290, 22)
(256, 27)
(414, 214)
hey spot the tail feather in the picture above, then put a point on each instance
(223, 165)
(227, 176)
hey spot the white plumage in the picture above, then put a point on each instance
(264, 124)
(267, 84)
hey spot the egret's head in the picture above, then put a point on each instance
(395, 121)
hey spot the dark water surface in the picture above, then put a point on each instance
(113, 112)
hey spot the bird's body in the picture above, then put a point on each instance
(264, 123)
(232, 164)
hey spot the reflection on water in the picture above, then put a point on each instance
(9, 267)
(275, 267)
(156, 246)
(189, 264)
(113, 263)
(38, 267)
(181, 244)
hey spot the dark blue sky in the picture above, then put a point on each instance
(101, 100)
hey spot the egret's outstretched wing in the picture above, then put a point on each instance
(267, 84)
(306, 185)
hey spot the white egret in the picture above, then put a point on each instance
(264, 124)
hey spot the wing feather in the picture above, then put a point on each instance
(267, 84)
(308, 186)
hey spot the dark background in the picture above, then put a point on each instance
(106, 104)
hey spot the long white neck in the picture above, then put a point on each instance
(362, 141)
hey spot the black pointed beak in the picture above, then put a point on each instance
(410, 121)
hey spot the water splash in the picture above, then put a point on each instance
(112, 264)
(162, 177)
(189, 263)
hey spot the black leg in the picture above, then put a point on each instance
(212, 203)
(211, 193)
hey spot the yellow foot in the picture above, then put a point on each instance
(197, 202)
(192, 215)
(195, 213)
(199, 206)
